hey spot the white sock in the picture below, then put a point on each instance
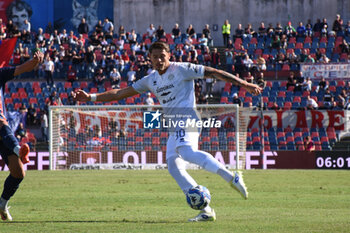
(207, 209)
(16, 150)
(176, 167)
(225, 174)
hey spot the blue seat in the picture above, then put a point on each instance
(323, 45)
(314, 45)
(291, 46)
(295, 105)
(19, 85)
(307, 46)
(75, 85)
(275, 85)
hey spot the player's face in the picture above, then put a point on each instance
(160, 60)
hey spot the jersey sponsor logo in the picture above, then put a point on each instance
(165, 93)
(168, 100)
(164, 88)
(154, 83)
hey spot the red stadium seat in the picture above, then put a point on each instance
(299, 46)
(238, 40)
(83, 85)
(286, 67)
(289, 139)
(324, 139)
(8, 101)
(126, 46)
(35, 85)
(287, 105)
(224, 100)
(254, 40)
(308, 40)
(292, 40)
(33, 100)
(63, 95)
(333, 89)
(123, 84)
(37, 90)
(281, 94)
(280, 134)
(323, 39)
(67, 85)
(130, 100)
(248, 99)
(340, 83)
(23, 95)
(297, 99)
(156, 141)
(15, 95)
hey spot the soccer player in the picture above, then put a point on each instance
(13, 154)
(173, 85)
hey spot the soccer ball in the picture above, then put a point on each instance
(198, 197)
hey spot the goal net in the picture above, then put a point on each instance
(126, 137)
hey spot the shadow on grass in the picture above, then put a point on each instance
(94, 221)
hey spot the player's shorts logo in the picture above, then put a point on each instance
(151, 120)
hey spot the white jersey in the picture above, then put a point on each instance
(175, 88)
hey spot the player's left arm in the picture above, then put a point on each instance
(31, 64)
(210, 72)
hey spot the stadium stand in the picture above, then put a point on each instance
(85, 56)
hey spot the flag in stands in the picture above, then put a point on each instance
(6, 49)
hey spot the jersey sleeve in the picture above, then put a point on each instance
(141, 85)
(6, 74)
(192, 71)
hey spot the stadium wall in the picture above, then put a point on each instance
(138, 14)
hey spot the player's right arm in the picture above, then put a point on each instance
(31, 64)
(112, 95)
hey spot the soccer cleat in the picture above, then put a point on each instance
(204, 216)
(238, 184)
(4, 212)
(23, 153)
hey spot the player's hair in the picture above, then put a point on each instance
(159, 45)
(19, 5)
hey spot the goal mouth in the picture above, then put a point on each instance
(128, 134)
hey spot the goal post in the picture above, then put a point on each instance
(117, 136)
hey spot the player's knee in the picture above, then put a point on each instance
(19, 174)
(175, 163)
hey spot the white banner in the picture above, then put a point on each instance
(328, 71)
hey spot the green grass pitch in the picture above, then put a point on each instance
(151, 201)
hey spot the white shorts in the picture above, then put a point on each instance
(181, 138)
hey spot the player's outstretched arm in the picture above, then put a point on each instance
(31, 64)
(227, 77)
(112, 95)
